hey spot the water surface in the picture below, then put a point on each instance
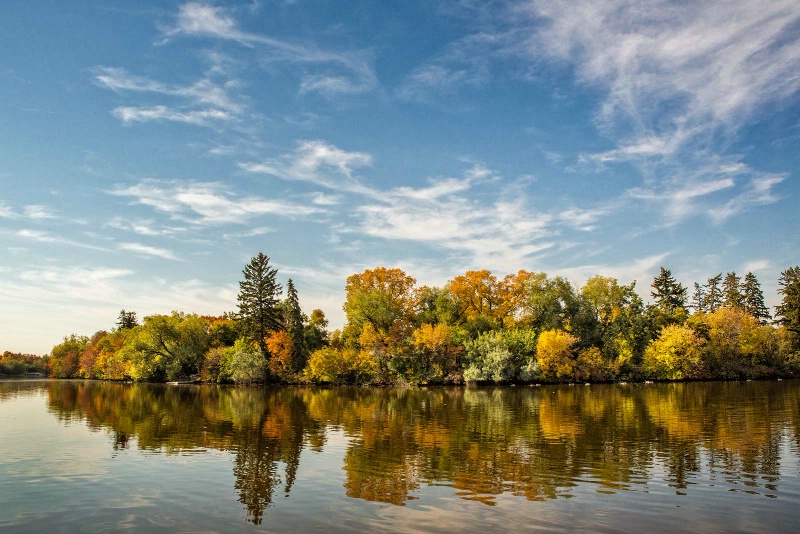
(98, 456)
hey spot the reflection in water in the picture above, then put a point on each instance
(536, 443)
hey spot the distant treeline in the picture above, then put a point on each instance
(525, 327)
(17, 364)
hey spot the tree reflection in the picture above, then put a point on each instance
(535, 443)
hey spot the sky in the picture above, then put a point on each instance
(149, 149)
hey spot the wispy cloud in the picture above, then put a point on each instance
(203, 103)
(159, 113)
(32, 212)
(147, 250)
(40, 236)
(208, 203)
(316, 162)
(352, 72)
(675, 77)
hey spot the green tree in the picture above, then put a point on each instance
(668, 294)
(732, 291)
(294, 328)
(315, 331)
(754, 299)
(669, 299)
(788, 311)
(167, 347)
(714, 296)
(259, 296)
(127, 319)
(699, 298)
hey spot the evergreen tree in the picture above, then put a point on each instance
(126, 320)
(754, 299)
(788, 312)
(713, 298)
(259, 295)
(668, 294)
(699, 298)
(294, 327)
(732, 296)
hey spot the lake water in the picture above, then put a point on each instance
(94, 456)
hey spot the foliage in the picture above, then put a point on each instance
(676, 355)
(294, 329)
(753, 299)
(555, 353)
(167, 347)
(243, 363)
(65, 357)
(788, 312)
(478, 327)
(348, 366)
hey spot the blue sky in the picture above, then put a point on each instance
(149, 149)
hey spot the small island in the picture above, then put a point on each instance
(478, 328)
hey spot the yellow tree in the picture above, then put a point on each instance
(478, 295)
(676, 354)
(279, 344)
(555, 354)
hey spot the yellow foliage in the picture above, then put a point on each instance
(279, 345)
(555, 355)
(341, 366)
(675, 355)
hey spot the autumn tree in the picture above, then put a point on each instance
(315, 331)
(555, 353)
(754, 299)
(259, 295)
(675, 355)
(65, 357)
(379, 297)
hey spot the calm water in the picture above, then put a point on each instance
(93, 456)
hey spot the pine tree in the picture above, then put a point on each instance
(732, 296)
(259, 295)
(126, 320)
(699, 298)
(788, 312)
(294, 327)
(669, 295)
(713, 298)
(754, 299)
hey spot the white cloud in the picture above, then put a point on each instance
(208, 203)
(82, 299)
(199, 117)
(754, 266)
(39, 212)
(204, 103)
(147, 250)
(356, 74)
(641, 270)
(759, 191)
(319, 163)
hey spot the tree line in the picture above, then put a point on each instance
(524, 327)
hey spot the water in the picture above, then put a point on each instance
(95, 456)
